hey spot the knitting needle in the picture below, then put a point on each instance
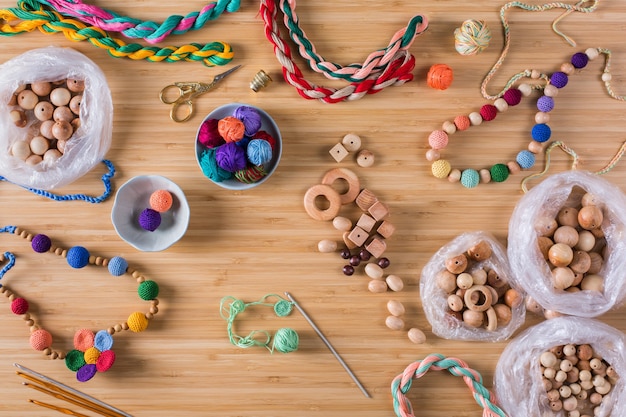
(88, 406)
(328, 345)
(59, 409)
(51, 383)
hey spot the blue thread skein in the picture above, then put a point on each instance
(259, 152)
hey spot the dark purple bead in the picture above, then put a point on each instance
(348, 270)
(384, 263)
(355, 260)
(345, 253)
(580, 60)
(559, 79)
(41, 243)
(365, 255)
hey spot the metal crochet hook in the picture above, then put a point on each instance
(187, 92)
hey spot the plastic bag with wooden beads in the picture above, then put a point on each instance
(466, 290)
(55, 115)
(563, 366)
(567, 244)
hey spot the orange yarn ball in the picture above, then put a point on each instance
(161, 201)
(231, 129)
(137, 322)
(40, 339)
(439, 76)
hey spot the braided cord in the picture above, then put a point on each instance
(375, 62)
(7, 256)
(578, 7)
(48, 22)
(437, 362)
(149, 31)
(106, 180)
(397, 72)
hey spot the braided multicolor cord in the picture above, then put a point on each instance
(151, 32)
(390, 66)
(507, 38)
(23, 19)
(437, 362)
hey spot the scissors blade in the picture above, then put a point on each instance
(220, 77)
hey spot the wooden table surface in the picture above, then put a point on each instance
(247, 244)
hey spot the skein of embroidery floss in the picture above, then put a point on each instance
(472, 37)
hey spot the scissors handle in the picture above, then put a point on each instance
(177, 109)
(167, 93)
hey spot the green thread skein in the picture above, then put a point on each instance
(285, 340)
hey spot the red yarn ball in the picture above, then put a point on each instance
(488, 112)
(19, 306)
(262, 134)
(512, 96)
(208, 135)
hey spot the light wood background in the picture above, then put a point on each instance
(251, 243)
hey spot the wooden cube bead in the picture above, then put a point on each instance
(378, 210)
(349, 244)
(376, 247)
(338, 152)
(358, 236)
(366, 222)
(365, 199)
(386, 229)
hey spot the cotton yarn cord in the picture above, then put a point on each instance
(26, 19)
(437, 362)
(472, 37)
(395, 70)
(151, 32)
(106, 180)
(578, 7)
(92, 351)
(285, 340)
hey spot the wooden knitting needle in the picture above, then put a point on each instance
(88, 406)
(328, 345)
(59, 409)
(69, 391)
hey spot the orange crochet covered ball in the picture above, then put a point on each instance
(40, 339)
(231, 129)
(161, 201)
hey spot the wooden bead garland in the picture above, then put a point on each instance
(92, 353)
(576, 379)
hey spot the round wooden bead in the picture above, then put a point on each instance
(485, 176)
(332, 197)
(592, 282)
(351, 142)
(544, 243)
(596, 263)
(20, 149)
(327, 246)
(43, 110)
(590, 217)
(60, 96)
(546, 226)
(395, 307)
(581, 262)
(63, 113)
(75, 85)
(480, 251)
(473, 318)
(503, 314)
(589, 199)
(455, 302)
(560, 254)
(41, 88)
(568, 216)
(567, 235)
(456, 264)
(350, 178)
(365, 158)
(562, 278)
(394, 323)
(586, 241)
(479, 277)
(62, 130)
(27, 100)
(494, 279)
(464, 281)
(446, 280)
(416, 336)
(513, 298)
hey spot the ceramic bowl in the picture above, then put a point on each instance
(267, 124)
(133, 197)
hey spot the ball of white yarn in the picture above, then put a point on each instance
(472, 37)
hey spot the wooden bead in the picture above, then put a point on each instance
(446, 280)
(567, 235)
(349, 244)
(416, 336)
(562, 278)
(27, 100)
(60, 96)
(480, 251)
(590, 217)
(448, 127)
(332, 198)
(592, 282)
(581, 262)
(475, 118)
(513, 298)
(351, 142)
(560, 255)
(395, 307)
(365, 158)
(338, 152)
(454, 175)
(473, 318)
(546, 226)
(432, 155)
(378, 210)
(492, 319)
(455, 303)
(349, 177)
(394, 283)
(342, 223)
(377, 286)
(327, 246)
(394, 323)
(479, 277)
(536, 147)
(376, 247)
(366, 222)
(542, 117)
(386, 229)
(533, 306)
(503, 314)
(544, 243)
(586, 241)
(513, 167)
(456, 264)
(358, 236)
(374, 271)
(365, 199)
(494, 279)
(464, 281)
(485, 176)
(596, 263)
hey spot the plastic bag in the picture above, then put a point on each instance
(518, 380)
(88, 144)
(435, 299)
(532, 272)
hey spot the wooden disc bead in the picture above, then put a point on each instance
(456, 264)
(365, 158)
(480, 252)
(326, 191)
(351, 179)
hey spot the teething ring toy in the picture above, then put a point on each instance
(402, 383)
(478, 298)
(327, 192)
(354, 186)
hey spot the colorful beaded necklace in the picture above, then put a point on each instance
(541, 132)
(92, 352)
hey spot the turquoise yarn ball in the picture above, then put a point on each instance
(77, 257)
(525, 159)
(470, 178)
(209, 167)
(286, 340)
(259, 152)
(117, 266)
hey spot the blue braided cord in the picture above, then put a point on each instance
(106, 179)
(9, 265)
(8, 229)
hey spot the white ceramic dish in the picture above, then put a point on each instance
(267, 124)
(133, 197)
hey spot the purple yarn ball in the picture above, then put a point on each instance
(149, 219)
(545, 104)
(250, 118)
(559, 79)
(230, 157)
(41, 243)
(580, 60)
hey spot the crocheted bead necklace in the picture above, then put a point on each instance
(540, 132)
(92, 353)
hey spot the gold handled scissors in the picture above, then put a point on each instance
(187, 91)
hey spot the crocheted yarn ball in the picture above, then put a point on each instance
(86, 372)
(488, 112)
(441, 168)
(91, 355)
(161, 201)
(545, 104)
(209, 135)
(19, 306)
(541, 132)
(438, 139)
(559, 79)
(148, 290)
(525, 159)
(40, 339)
(137, 322)
(259, 152)
(149, 219)
(83, 339)
(231, 157)
(77, 257)
(250, 117)
(105, 361)
(74, 360)
(580, 60)
(117, 266)
(231, 129)
(512, 96)
(41, 243)
(499, 172)
(103, 341)
(470, 178)
(462, 122)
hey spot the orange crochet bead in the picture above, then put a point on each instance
(462, 122)
(137, 322)
(440, 77)
(438, 139)
(83, 339)
(161, 201)
(40, 339)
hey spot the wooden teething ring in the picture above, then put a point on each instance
(478, 303)
(354, 185)
(330, 194)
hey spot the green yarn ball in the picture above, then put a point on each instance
(210, 169)
(148, 290)
(470, 178)
(74, 360)
(286, 340)
(499, 172)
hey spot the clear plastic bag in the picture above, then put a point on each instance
(518, 380)
(435, 299)
(532, 272)
(89, 142)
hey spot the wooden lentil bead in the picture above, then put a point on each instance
(455, 302)
(456, 264)
(394, 283)
(416, 336)
(480, 252)
(394, 323)
(377, 286)
(503, 314)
